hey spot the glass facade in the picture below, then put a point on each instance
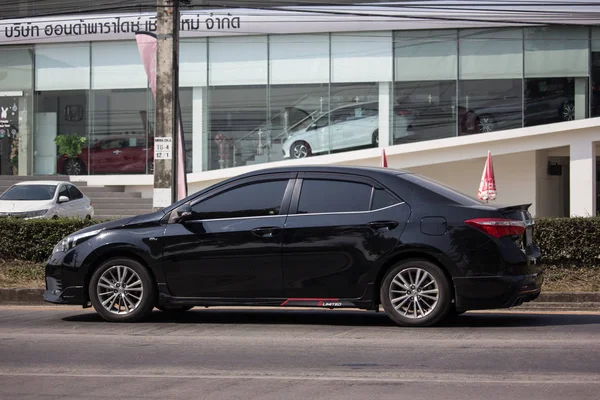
(255, 99)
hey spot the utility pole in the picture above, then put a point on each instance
(167, 82)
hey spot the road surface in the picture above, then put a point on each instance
(67, 352)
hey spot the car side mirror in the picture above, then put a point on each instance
(184, 213)
(63, 199)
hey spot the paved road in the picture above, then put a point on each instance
(58, 353)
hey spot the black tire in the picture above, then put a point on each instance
(148, 296)
(73, 166)
(438, 310)
(300, 149)
(375, 138)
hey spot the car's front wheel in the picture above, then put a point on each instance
(122, 290)
(73, 166)
(416, 293)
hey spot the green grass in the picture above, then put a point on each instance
(30, 275)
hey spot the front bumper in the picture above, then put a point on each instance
(490, 292)
(64, 284)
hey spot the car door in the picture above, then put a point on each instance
(133, 155)
(106, 156)
(338, 229)
(64, 210)
(78, 204)
(361, 125)
(231, 247)
(338, 137)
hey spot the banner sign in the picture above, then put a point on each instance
(224, 22)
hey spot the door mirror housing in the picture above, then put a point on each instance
(184, 213)
(63, 199)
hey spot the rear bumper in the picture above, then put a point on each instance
(479, 293)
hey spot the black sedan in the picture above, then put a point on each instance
(312, 236)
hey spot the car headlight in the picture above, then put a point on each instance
(72, 241)
(33, 214)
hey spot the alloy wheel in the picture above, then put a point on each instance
(414, 293)
(73, 167)
(120, 290)
(568, 112)
(300, 150)
(486, 125)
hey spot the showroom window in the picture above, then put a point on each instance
(425, 77)
(491, 76)
(556, 70)
(237, 99)
(62, 82)
(121, 139)
(16, 104)
(595, 73)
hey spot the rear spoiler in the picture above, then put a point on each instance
(520, 207)
(519, 212)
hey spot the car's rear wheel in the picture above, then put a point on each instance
(300, 149)
(416, 293)
(122, 290)
(73, 166)
(486, 124)
(375, 138)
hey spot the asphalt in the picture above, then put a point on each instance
(66, 352)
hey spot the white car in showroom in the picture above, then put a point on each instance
(45, 199)
(350, 126)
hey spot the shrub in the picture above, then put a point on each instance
(33, 240)
(69, 145)
(569, 241)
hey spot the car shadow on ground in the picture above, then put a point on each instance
(349, 318)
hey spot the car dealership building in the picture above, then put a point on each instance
(437, 86)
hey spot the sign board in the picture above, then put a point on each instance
(163, 148)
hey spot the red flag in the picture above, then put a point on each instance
(487, 187)
(147, 47)
(383, 158)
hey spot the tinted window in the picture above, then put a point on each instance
(322, 196)
(75, 193)
(255, 199)
(382, 199)
(29, 192)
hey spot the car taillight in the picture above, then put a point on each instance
(498, 227)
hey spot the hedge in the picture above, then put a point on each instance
(562, 241)
(33, 240)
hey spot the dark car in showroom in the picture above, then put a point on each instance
(309, 236)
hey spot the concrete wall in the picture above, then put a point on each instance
(515, 177)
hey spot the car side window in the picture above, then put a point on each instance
(251, 200)
(382, 199)
(74, 193)
(327, 196)
(64, 191)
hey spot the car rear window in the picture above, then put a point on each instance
(29, 192)
(442, 190)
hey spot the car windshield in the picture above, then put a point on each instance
(29, 192)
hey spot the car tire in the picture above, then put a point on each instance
(486, 124)
(375, 138)
(417, 304)
(300, 149)
(174, 309)
(113, 276)
(567, 111)
(88, 217)
(73, 166)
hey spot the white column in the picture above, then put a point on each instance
(199, 128)
(385, 100)
(582, 184)
(581, 94)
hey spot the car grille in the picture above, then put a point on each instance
(13, 215)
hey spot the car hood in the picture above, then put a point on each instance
(153, 217)
(24, 205)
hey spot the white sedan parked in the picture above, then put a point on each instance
(45, 199)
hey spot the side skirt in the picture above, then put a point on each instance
(165, 298)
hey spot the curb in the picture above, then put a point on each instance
(585, 301)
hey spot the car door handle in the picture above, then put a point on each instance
(383, 225)
(266, 232)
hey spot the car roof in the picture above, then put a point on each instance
(41, 183)
(340, 169)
